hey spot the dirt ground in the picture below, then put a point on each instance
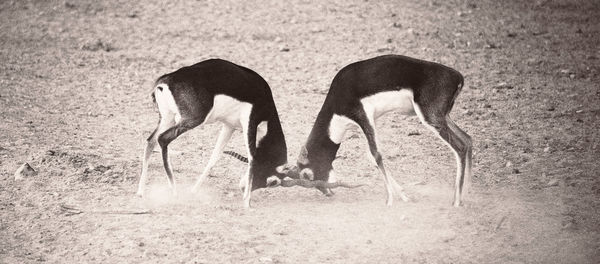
(75, 81)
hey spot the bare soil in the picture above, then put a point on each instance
(75, 78)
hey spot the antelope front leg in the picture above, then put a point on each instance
(222, 140)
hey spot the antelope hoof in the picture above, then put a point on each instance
(456, 203)
(242, 185)
(329, 192)
(404, 197)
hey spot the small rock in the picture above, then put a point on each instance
(265, 259)
(547, 149)
(568, 224)
(24, 170)
(278, 39)
(141, 244)
(551, 108)
(508, 164)
(316, 30)
(98, 45)
(396, 25)
(284, 49)
(448, 237)
(565, 71)
(572, 75)
(516, 171)
(490, 45)
(553, 182)
(503, 85)
(282, 233)
(414, 133)
(369, 241)
(511, 34)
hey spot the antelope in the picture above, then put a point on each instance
(364, 91)
(218, 90)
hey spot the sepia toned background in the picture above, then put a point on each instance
(75, 82)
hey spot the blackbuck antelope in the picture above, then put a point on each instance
(218, 90)
(363, 91)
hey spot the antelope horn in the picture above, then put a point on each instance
(316, 184)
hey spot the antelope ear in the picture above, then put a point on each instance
(307, 174)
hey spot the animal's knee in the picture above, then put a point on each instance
(165, 138)
(468, 141)
(376, 158)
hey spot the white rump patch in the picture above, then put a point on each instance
(383, 102)
(338, 126)
(166, 103)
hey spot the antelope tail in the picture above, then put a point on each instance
(236, 155)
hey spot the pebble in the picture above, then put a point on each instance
(24, 170)
(503, 85)
(265, 259)
(547, 149)
(551, 183)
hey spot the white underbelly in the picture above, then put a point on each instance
(228, 110)
(235, 114)
(383, 102)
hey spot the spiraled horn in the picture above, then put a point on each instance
(316, 184)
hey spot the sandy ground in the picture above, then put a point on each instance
(75, 78)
